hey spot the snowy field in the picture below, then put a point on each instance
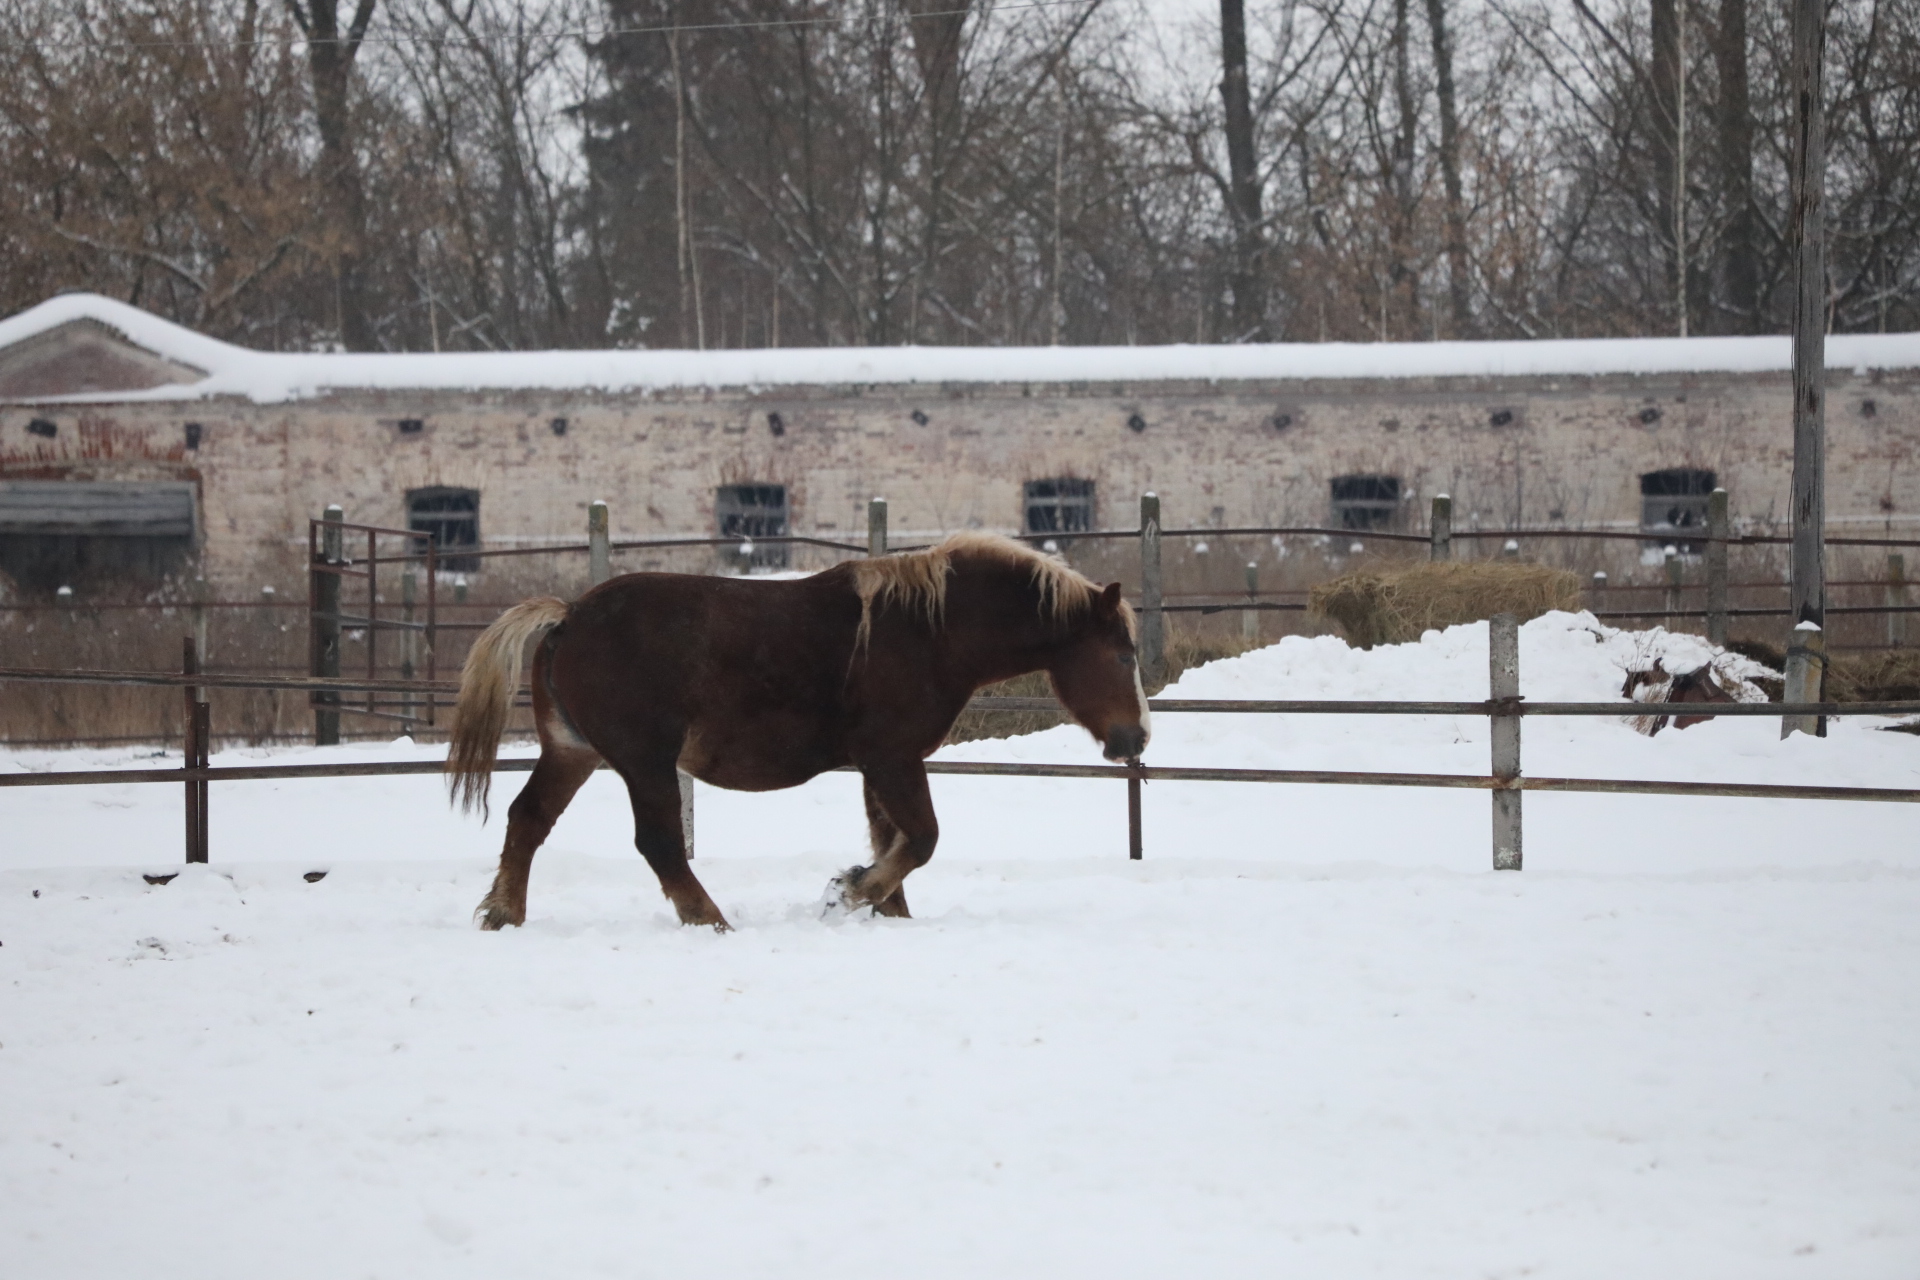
(1310, 1035)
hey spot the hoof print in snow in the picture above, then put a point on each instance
(166, 879)
(314, 877)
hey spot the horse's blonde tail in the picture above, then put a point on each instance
(488, 685)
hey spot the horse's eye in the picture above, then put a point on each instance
(1126, 659)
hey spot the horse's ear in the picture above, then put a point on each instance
(1109, 603)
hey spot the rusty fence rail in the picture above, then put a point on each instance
(1504, 708)
(418, 623)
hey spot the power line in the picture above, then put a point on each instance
(583, 33)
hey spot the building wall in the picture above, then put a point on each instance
(1571, 452)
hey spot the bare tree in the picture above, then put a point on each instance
(1248, 275)
(330, 57)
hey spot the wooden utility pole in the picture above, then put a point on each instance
(1806, 231)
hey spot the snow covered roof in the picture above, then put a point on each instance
(271, 376)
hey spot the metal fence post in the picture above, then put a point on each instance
(1250, 618)
(326, 626)
(1806, 667)
(1718, 528)
(599, 544)
(1896, 599)
(1134, 840)
(1673, 586)
(1153, 623)
(1440, 529)
(1503, 654)
(876, 526)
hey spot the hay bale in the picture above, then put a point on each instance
(1395, 605)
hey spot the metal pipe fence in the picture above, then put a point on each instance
(1504, 708)
(327, 539)
(413, 634)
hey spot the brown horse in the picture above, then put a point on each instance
(757, 686)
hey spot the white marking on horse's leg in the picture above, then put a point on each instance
(555, 728)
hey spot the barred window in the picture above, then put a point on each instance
(1062, 504)
(452, 518)
(1673, 501)
(1366, 502)
(751, 513)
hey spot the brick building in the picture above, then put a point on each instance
(133, 446)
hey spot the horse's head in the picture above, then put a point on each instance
(1098, 680)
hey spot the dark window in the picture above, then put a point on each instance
(452, 517)
(412, 426)
(193, 435)
(1674, 500)
(1060, 505)
(1366, 502)
(42, 427)
(92, 533)
(752, 512)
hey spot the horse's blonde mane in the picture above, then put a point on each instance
(916, 581)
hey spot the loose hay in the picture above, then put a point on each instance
(1393, 606)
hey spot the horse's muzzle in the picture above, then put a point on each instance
(1125, 742)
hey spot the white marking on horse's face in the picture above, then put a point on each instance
(1140, 692)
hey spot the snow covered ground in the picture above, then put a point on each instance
(1311, 1034)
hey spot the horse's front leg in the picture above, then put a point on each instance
(901, 823)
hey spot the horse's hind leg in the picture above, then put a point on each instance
(556, 777)
(662, 841)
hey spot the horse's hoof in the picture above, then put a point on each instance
(842, 897)
(491, 918)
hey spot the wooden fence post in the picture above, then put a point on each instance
(1718, 529)
(686, 810)
(876, 526)
(326, 627)
(1503, 656)
(1673, 587)
(1806, 665)
(409, 638)
(201, 595)
(1807, 238)
(1896, 599)
(1153, 623)
(1250, 618)
(1440, 529)
(599, 544)
(193, 753)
